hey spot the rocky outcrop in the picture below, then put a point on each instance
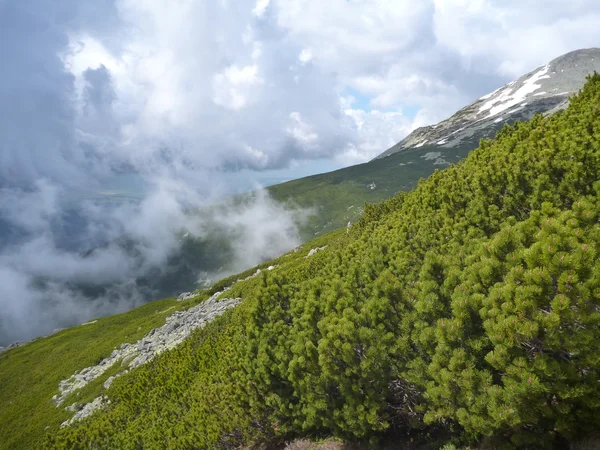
(315, 250)
(82, 411)
(186, 296)
(178, 326)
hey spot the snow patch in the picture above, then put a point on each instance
(508, 98)
(460, 129)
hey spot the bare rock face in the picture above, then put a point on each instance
(545, 90)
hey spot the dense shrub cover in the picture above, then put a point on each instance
(471, 302)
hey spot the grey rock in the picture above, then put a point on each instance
(315, 250)
(85, 410)
(109, 381)
(74, 407)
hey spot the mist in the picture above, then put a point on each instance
(54, 274)
(81, 108)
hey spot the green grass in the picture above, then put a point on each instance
(30, 375)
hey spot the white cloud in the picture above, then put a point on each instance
(305, 56)
(211, 74)
(375, 130)
(261, 7)
(232, 86)
(301, 131)
(512, 37)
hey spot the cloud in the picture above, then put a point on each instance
(377, 130)
(305, 56)
(261, 7)
(513, 37)
(233, 86)
(46, 283)
(227, 75)
(184, 94)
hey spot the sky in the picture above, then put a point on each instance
(90, 88)
(199, 99)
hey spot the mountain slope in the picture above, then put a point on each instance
(471, 305)
(543, 90)
(338, 196)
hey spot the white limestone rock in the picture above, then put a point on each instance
(315, 250)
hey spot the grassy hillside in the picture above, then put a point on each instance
(469, 306)
(338, 197)
(29, 375)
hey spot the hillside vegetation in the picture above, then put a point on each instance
(337, 197)
(469, 305)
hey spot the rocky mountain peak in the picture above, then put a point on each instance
(544, 90)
